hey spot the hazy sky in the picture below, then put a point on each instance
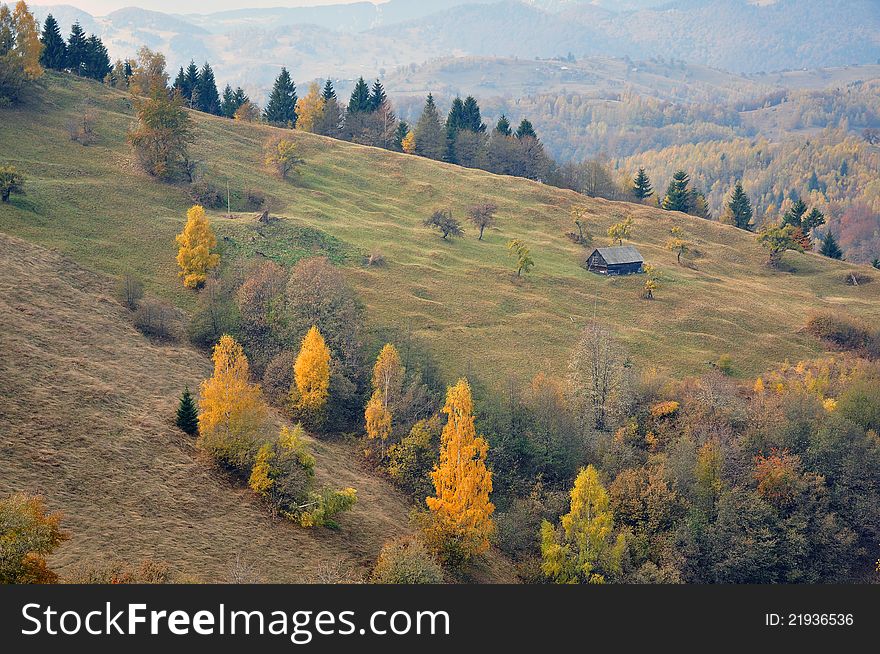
(104, 7)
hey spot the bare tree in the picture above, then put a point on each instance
(597, 377)
(483, 216)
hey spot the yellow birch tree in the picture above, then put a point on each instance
(232, 411)
(196, 243)
(309, 109)
(311, 373)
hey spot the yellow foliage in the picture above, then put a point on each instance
(195, 245)
(409, 143)
(309, 109)
(830, 404)
(377, 418)
(28, 47)
(232, 410)
(620, 231)
(461, 509)
(759, 386)
(311, 372)
(663, 409)
(260, 481)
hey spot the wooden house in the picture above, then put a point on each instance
(622, 260)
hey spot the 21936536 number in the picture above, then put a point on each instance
(809, 620)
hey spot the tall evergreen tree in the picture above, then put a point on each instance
(503, 126)
(227, 102)
(399, 134)
(525, 130)
(429, 133)
(642, 188)
(830, 248)
(208, 98)
(54, 54)
(187, 414)
(96, 63)
(281, 108)
(179, 83)
(795, 214)
(812, 220)
(472, 120)
(377, 96)
(76, 48)
(454, 123)
(360, 98)
(740, 207)
(190, 84)
(678, 196)
(329, 92)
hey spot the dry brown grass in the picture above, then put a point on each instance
(86, 420)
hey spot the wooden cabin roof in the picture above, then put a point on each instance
(620, 255)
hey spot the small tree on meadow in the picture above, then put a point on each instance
(187, 414)
(579, 218)
(678, 244)
(524, 261)
(652, 282)
(11, 181)
(196, 244)
(777, 239)
(443, 220)
(620, 231)
(281, 156)
(311, 374)
(162, 136)
(482, 216)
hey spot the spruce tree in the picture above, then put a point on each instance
(187, 414)
(472, 119)
(54, 54)
(503, 126)
(525, 130)
(179, 83)
(454, 123)
(429, 133)
(795, 214)
(830, 248)
(96, 62)
(76, 48)
(208, 99)
(227, 102)
(642, 188)
(812, 220)
(359, 102)
(281, 108)
(190, 84)
(740, 207)
(329, 92)
(377, 96)
(400, 134)
(678, 196)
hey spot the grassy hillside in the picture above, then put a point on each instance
(459, 298)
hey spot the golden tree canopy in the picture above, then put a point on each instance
(461, 508)
(309, 109)
(195, 243)
(311, 372)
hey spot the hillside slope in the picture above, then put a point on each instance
(87, 420)
(460, 299)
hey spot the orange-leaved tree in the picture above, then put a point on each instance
(196, 243)
(460, 521)
(311, 377)
(232, 410)
(27, 535)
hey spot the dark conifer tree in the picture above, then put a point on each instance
(429, 132)
(472, 120)
(830, 248)
(329, 92)
(678, 196)
(190, 84)
(503, 126)
(642, 188)
(377, 96)
(76, 49)
(96, 63)
(360, 98)
(54, 53)
(227, 102)
(740, 207)
(187, 414)
(812, 220)
(179, 83)
(525, 130)
(208, 98)
(399, 134)
(795, 214)
(281, 108)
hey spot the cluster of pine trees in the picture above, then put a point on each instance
(82, 55)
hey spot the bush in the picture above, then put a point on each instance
(156, 318)
(725, 364)
(842, 332)
(406, 561)
(278, 378)
(207, 195)
(129, 291)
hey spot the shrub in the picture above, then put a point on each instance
(27, 535)
(840, 331)
(207, 195)
(325, 504)
(278, 378)
(129, 291)
(155, 318)
(725, 364)
(375, 258)
(406, 561)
